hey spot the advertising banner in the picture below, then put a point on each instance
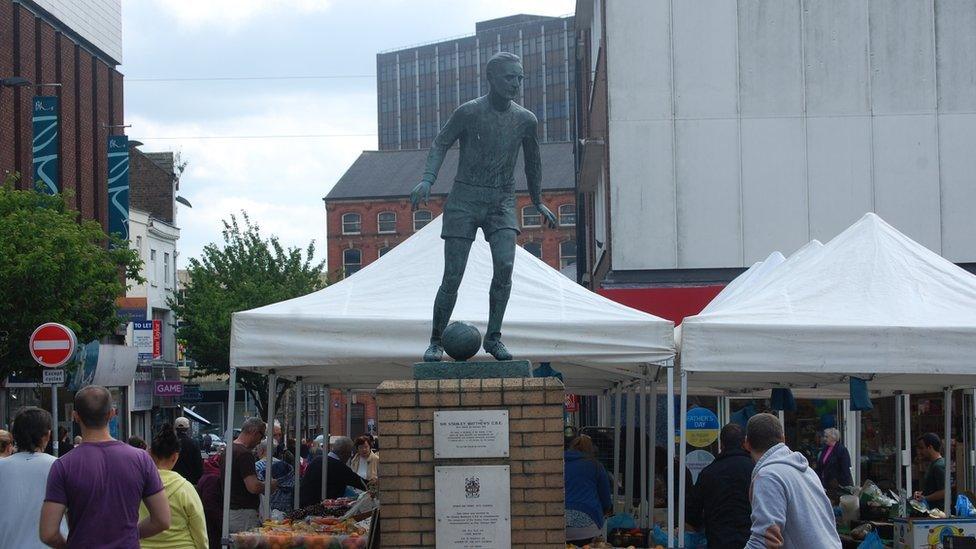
(157, 333)
(168, 388)
(142, 338)
(143, 398)
(118, 185)
(46, 144)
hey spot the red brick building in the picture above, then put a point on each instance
(47, 49)
(368, 210)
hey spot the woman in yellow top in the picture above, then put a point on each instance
(188, 528)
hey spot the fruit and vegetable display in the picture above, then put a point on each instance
(317, 526)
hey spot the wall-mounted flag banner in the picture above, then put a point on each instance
(118, 185)
(46, 144)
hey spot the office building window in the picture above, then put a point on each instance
(567, 253)
(421, 218)
(352, 223)
(352, 261)
(382, 251)
(567, 215)
(386, 222)
(166, 267)
(534, 248)
(531, 217)
(152, 267)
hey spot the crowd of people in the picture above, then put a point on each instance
(756, 494)
(106, 493)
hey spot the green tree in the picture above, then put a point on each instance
(55, 268)
(247, 271)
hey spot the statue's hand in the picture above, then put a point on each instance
(547, 214)
(420, 192)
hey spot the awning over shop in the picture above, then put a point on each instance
(375, 324)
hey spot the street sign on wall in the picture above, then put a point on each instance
(52, 344)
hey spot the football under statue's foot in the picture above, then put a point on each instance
(434, 353)
(497, 349)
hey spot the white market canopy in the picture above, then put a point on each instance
(375, 324)
(871, 303)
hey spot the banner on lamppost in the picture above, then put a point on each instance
(45, 144)
(118, 185)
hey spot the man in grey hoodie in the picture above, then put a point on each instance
(789, 506)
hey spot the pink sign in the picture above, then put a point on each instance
(163, 388)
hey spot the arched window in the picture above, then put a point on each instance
(531, 217)
(352, 223)
(534, 248)
(386, 222)
(567, 215)
(352, 261)
(382, 251)
(421, 218)
(567, 253)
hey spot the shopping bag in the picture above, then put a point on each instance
(871, 541)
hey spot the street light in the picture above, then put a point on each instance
(15, 82)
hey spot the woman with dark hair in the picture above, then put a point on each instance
(188, 528)
(365, 462)
(24, 479)
(587, 492)
(137, 442)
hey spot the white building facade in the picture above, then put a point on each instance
(156, 242)
(735, 128)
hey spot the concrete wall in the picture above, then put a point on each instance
(742, 127)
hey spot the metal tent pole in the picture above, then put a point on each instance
(269, 435)
(326, 421)
(906, 457)
(299, 395)
(643, 450)
(947, 452)
(899, 443)
(681, 458)
(972, 442)
(229, 453)
(670, 446)
(616, 443)
(629, 457)
(652, 457)
(856, 458)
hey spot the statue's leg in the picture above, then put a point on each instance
(502, 244)
(455, 259)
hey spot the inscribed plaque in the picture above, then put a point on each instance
(471, 433)
(473, 506)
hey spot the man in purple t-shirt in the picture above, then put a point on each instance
(101, 483)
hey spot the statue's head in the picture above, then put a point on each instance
(505, 75)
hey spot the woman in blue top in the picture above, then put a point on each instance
(587, 492)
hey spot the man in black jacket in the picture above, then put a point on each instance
(340, 475)
(719, 501)
(190, 462)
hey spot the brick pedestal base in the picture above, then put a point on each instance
(406, 473)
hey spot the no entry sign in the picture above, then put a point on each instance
(52, 344)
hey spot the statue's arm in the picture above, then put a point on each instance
(533, 162)
(533, 171)
(445, 139)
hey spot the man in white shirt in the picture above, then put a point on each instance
(23, 477)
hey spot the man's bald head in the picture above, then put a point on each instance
(94, 406)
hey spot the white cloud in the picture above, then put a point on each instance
(231, 15)
(279, 182)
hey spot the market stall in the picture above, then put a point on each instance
(375, 325)
(871, 304)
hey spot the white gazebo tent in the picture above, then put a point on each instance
(375, 325)
(871, 304)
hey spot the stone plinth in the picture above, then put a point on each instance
(406, 472)
(487, 369)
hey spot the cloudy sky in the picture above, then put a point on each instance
(183, 64)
